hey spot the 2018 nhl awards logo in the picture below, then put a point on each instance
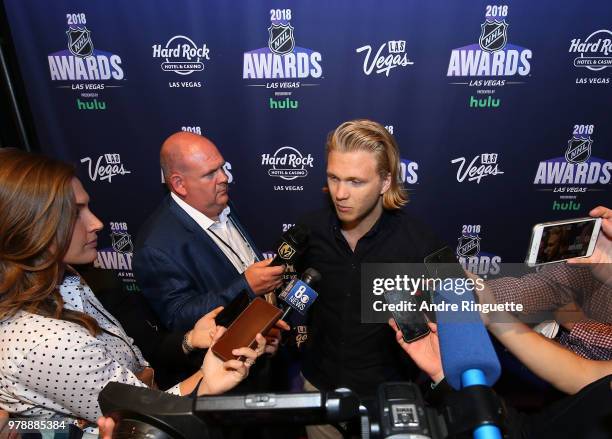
(468, 246)
(119, 255)
(122, 242)
(109, 258)
(577, 169)
(408, 171)
(470, 255)
(281, 39)
(494, 35)
(282, 65)
(578, 150)
(88, 71)
(491, 63)
(79, 42)
(282, 59)
(81, 62)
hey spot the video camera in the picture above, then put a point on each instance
(397, 411)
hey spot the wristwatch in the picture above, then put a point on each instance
(187, 348)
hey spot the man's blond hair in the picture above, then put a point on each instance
(370, 136)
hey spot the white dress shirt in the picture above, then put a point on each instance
(224, 233)
(51, 368)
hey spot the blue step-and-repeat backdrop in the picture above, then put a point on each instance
(501, 110)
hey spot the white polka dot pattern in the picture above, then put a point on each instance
(51, 367)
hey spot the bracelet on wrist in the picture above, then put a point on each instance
(187, 347)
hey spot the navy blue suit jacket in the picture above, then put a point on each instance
(180, 269)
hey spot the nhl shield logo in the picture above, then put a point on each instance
(494, 35)
(122, 242)
(468, 246)
(79, 42)
(285, 251)
(281, 39)
(578, 150)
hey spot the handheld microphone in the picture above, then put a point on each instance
(468, 356)
(259, 316)
(292, 244)
(298, 294)
(464, 341)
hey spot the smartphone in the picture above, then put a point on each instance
(413, 324)
(233, 309)
(258, 317)
(562, 240)
(443, 264)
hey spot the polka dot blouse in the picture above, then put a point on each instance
(51, 367)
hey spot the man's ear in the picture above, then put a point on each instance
(386, 184)
(177, 184)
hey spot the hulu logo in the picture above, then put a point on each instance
(283, 104)
(487, 102)
(91, 105)
(132, 287)
(565, 206)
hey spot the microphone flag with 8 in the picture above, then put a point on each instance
(298, 294)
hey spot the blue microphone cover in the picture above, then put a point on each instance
(464, 341)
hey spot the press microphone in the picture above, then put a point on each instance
(292, 244)
(464, 341)
(468, 356)
(298, 294)
(259, 316)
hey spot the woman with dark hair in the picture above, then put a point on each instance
(59, 346)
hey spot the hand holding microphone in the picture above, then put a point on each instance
(264, 277)
(259, 316)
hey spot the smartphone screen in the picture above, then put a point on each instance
(565, 240)
(413, 324)
(233, 309)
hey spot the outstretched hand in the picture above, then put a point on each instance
(425, 352)
(600, 262)
(220, 376)
(202, 333)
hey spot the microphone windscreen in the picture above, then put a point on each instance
(464, 341)
(311, 276)
(291, 245)
(299, 235)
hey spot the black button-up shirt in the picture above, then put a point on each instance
(342, 351)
